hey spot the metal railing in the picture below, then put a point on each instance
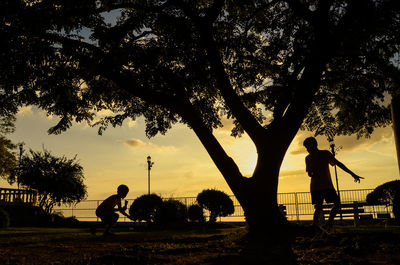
(298, 206)
(13, 196)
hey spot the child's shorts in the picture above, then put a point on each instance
(329, 195)
(108, 218)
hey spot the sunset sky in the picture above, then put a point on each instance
(182, 166)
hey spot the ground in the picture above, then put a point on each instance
(377, 244)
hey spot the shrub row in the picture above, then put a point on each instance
(152, 208)
(29, 215)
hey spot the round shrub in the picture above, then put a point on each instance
(171, 212)
(217, 202)
(144, 207)
(4, 219)
(196, 213)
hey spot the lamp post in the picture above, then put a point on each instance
(149, 166)
(332, 145)
(21, 151)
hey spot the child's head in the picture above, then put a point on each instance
(310, 144)
(122, 190)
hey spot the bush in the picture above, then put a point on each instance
(196, 213)
(57, 219)
(26, 215)
(396, 206)
(217, 202)
(4, 219)
(144, 207)
(171, 212)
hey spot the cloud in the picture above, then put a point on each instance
(139, 144)
(291, 173)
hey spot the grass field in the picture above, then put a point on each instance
(364, 245)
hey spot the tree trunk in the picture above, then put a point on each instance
(395, 106)
(269, 239)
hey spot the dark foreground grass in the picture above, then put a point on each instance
(220, 245)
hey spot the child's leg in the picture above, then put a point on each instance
(317, 214)
(332, 214)
(112, 220)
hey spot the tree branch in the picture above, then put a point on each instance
(232, 100)
(224, 163)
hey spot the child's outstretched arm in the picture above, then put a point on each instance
(345, 169)
(123, 210)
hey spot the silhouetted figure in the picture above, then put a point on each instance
(106, 211)
(317, 167)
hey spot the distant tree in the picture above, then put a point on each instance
(58, 180)
(217, 202)
(272, 66)
(8, 161)
(384, 194)
(144, 207)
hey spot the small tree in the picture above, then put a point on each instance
(57, 179)
(144, 207)
(217, 202)
(384, 194)
(196, 213)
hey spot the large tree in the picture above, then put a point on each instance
(271, 66)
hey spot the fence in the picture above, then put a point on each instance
(298, 206)
(8, 196)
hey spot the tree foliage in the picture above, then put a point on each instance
(384, 194)
(217, 202)
(57, 179)
(8, 162)
(156, 55)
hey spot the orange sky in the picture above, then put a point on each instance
(182, 166)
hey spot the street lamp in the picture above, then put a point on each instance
(332, 145)
(21, 151)
(149, 166)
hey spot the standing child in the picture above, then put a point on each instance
(106, 211)
(317, 167)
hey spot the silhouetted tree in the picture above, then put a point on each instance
(58, 180)
(217, 202)
(272, 66)
(384, 194)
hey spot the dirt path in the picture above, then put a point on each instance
(220, 246)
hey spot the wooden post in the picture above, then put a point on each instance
(356, 216)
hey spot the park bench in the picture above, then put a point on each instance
(355, 210)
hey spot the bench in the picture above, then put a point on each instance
(349, 210)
